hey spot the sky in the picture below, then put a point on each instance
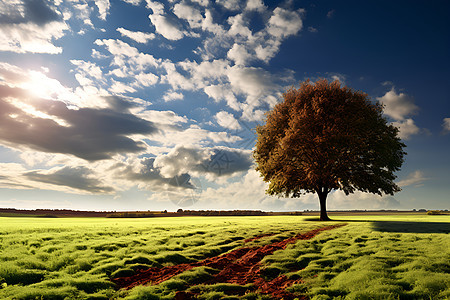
(152, 105)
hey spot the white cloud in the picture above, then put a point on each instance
(118, 87)
(360, 200)
(197, 161)
(167, 27)
(227, 120)
(29, 37)
(88, 68)
(416, 178)
(398, 106)
(156, 7)
(193, 135)
(238, 53)
(137, 36)
(239, 26)
(103, 8)
(407, 128)
(172, 95)
(223, 92)
(446, 125)
(285, 22)
(145, 79)
(133, 2)
(162, 117)
(30, 26)
(189, 13)
(257, 5)
(251, 81)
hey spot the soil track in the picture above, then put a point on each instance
(240, 266)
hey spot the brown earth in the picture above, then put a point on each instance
(240, 266)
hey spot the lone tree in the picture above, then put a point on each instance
(325, 137)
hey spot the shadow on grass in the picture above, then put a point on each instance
(411, 227)
(399, 226)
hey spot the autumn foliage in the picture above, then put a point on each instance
(325, 137)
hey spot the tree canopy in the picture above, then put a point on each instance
(325, 137)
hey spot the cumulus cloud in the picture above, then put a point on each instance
(172, 95)
(216, 161)
(407, 128)
(398, 106)
(166, 26)
(238, 53)
(30, 26)
(227, 120)
(189, 13)
(285, 22)
(103, 8)
(151, 178)
(137, 36)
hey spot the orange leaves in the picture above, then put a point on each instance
(323, 134)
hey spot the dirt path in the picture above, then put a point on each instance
(240, 266)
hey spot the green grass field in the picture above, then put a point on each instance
(372, 257)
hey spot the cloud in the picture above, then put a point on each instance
(79, 178)
(150, 177)
(162, 117)
(398, 106)
(156, 7)
(30, 26)
(446, 125)
(238, 53)
(133, 2)
(167, 27)
(172, 95)
(360, 200)
(137, 36)
(285, 22)
(197, 161)
(88, 133)
(223, 92)
(416, 179)
(103, 8)
(406, 128)
(189, 13)
(227, 120)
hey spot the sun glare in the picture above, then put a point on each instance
(41, 86)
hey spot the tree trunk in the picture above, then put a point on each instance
(323, 206)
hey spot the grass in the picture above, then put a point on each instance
(373, 257)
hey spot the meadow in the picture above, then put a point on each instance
(370, 257)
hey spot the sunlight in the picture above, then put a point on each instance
(41, 86)
(32, 111)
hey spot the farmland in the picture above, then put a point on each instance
(356, 257)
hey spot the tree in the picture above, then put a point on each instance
(325, 137)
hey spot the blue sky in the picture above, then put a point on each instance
(151, 105)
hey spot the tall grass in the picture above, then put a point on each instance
(74, 258)
(377, 257)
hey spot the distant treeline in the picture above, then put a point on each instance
(181, 212)
(50, 213)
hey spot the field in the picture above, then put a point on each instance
(270, 257)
